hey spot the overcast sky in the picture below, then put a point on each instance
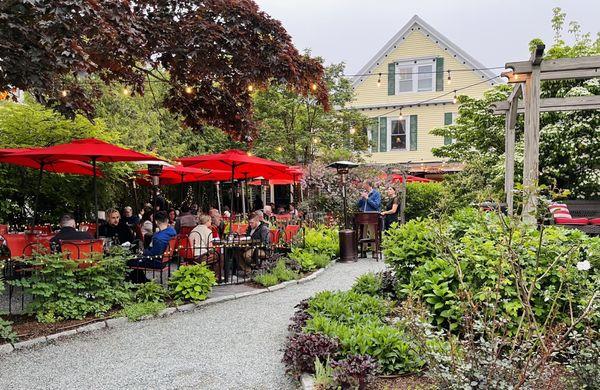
(492, 31)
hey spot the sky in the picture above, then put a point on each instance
(494, 32)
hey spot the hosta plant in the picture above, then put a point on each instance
(192, 282)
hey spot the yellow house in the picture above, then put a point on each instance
(408, 88)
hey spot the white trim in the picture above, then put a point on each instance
(414, 24)
(414, 71)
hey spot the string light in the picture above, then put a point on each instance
(189, 90)
(449, 78)
(64, 93)
(352, 130)
(379, 81)
(316, 140)
(454, 99)
(250, 154)
(126, 91)
(400, 116)
(279, 149)
(516, 76)
(314, 86)
(250, 87)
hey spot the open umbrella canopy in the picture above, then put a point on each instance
(59, 166)
(238, 163)
(180, 174)
(396, 178)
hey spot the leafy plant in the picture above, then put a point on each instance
(150, 292)
(302, 349)
(282, 273)
(304, 259)
(323, 375)
(423, 199)
(269, 279)
(6, 332)
(192, 282)
(347, 307)
(138, 310)
(369, 284)
(322, 240)
(354, 372)
(298, 320)
(61, 289)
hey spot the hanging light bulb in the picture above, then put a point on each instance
(189, 90)
(379, 81)
(314, 86)
(126, 91)
(449, 78)
(454, 99)
(250, 87)
(279, 149)
(64, 93)
(316, 140)
(400, 116)
(352, 130)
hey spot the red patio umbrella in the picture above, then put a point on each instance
(88, 149)
(239, 163)
(59, 166)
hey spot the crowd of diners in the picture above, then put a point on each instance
(148, 232)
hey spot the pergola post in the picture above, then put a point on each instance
(509, 147)
(532, 138)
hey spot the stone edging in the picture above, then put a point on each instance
(307, 381)
(121, 321)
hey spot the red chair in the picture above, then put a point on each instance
(239, 228)
(290, 233)
(81, 250)
(275, 236)
(3, 229)
(215, 231)
(92, 228)
(186, 230)
(283, 217)
(40, 229)
(166, 258)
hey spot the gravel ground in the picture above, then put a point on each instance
(231, 345)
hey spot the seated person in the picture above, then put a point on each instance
(172, 217)
(201, 236)
(68, 232)
(259, 233)
(116, 229)
(217, 220)
(185, 219)
(129, 218)
(152, 256)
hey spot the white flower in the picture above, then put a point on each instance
(584, 265)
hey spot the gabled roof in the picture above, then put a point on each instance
(434, 35)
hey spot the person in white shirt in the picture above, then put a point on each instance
(201, 236)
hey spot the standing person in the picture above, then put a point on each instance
(392, 208)
(370, 198)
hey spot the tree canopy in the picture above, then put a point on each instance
(210, 52)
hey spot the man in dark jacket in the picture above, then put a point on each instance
(68, 232)
(115, 228)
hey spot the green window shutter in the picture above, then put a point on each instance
(392, 78)
(373, 128)
(383, 134)
(447, 121)
(439, 74)
(413, 132)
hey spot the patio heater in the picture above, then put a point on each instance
(348, 247)
(154, 170)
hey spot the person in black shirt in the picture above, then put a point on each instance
(392, 208)
(129, 218)
(68, 232)
(115, 228)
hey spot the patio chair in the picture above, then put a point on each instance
(212, 256)
(81, 250)
(165, 261)
(290, 232)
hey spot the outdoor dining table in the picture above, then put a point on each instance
(232, 249)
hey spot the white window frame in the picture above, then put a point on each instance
(389, 134)
(454, 115)
(414, 65)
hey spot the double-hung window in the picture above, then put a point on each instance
(398, 134)
(415, 76)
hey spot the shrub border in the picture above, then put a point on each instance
(116, 322)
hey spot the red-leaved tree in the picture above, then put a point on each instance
(209, 52)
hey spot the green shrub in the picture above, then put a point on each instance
(61, 290)
(6, 332)
(150, 292)
(321, 260)
(304, 259)
(136, 311)
(407, 246)
(347, 307)
(283, 273)
(423, 199)
(368, 283)
(192, 282)
(322, 240)
(268, 279)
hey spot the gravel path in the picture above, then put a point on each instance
(230, 345)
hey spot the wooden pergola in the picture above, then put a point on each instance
(526, 77)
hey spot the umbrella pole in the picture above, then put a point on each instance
(135, 197)
(95, 194)
(37, 195)
(218, 195)
(181, 191)
(231, 199)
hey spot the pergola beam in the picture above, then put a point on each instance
(559, 64)
(572, 103)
